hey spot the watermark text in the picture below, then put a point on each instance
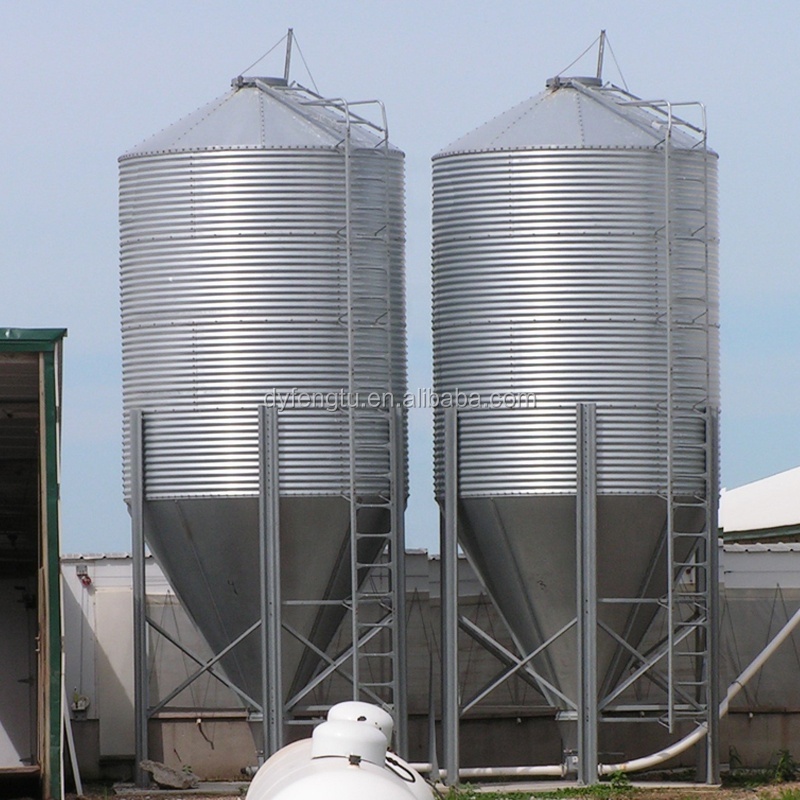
(344, 400)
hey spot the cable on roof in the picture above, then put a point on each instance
(616, 64)
(261, 58)
(559, 74)
(313, 82)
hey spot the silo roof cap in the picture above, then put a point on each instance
(576, 113)
(558, 80)
(262, 113)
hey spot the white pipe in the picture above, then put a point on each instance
(696, 735)
(545, 771)
(657, 758)
(554, 771)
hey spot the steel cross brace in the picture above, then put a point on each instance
(513, 662)
(205, 666)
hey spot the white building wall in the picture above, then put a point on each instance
(206, 726)
(113, 664)
(98, 632)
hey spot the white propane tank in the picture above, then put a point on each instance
(356, 711)
(345, 759)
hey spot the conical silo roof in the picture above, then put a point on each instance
(257, 114)
(572, 113)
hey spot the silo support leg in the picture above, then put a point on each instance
(269, 550)
(140, 693)
(586, 550)
(449, 599)
(397, 443)
(711, 771)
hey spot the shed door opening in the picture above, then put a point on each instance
(20, 557)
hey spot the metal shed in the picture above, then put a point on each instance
(31, 720)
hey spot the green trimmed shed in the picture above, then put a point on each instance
(31, 715)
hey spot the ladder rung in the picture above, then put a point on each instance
(311, 602)
(684, 626)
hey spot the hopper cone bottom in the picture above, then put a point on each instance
(209, 550)
(524, 549)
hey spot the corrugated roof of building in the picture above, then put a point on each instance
(766, 504)
(762, 547)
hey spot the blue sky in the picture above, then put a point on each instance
(85, 81)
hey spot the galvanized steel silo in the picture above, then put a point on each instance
(575, 261)
(262, 253)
